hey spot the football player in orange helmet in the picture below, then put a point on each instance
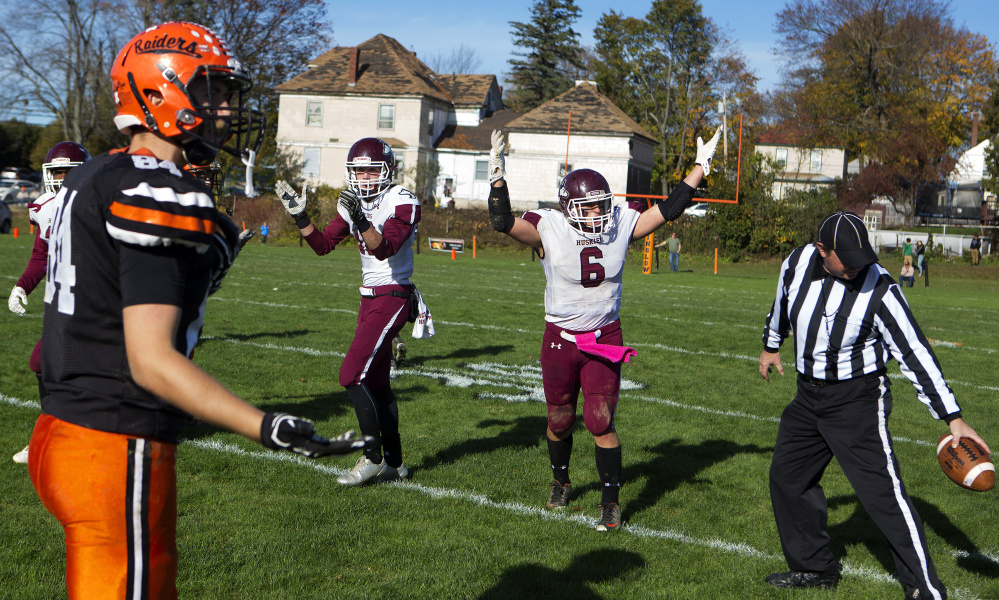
(129, 273)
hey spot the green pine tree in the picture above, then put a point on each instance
(549, 49)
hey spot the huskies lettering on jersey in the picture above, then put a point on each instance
(587, 242)
(167, 44)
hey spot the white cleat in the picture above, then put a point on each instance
(364, 470)
(393, 474)
(22, 456)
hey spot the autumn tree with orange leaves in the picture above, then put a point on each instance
(895, 81)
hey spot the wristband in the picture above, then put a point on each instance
(302, 220)
(363, 226)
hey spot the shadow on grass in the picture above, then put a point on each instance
(674, 464)
(317, 408)
(522, 432)
(537, 581)
(463, 353)
(859, 528)
(245, 337)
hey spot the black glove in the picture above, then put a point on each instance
(352, 204)
(280, 431)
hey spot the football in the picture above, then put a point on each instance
(968, 465)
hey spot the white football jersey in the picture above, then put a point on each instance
(402, 204)
(42, 212)
(584, 274)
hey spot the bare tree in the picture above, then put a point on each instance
(57, 55)
(462, 61)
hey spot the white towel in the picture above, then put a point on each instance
(424, 325)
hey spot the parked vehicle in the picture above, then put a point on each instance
(698, 210)
(18, 191)
(6, 219)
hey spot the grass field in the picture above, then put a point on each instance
(696, 421)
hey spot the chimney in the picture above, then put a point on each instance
(352, 67)
(974, 128)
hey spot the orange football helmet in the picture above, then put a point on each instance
(167, 59)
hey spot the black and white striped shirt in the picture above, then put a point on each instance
(847, 329)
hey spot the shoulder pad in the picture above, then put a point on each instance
(156, 207)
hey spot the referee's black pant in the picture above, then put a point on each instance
(848, 420)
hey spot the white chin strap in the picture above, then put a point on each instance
(249, 158)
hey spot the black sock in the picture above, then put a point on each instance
(367, 419)
(388, 424)
(559, 452)
(609, 467)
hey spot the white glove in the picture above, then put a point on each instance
(497, 162)
(17, 297)
(294, 204)
(245, 235)
(706, 151)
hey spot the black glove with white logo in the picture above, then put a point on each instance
(280, 431)
(352, 204)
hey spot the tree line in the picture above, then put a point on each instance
(896, 82)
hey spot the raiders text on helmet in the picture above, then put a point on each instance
(586, 201)
(62, 157)
(167, 59)
(369, 154)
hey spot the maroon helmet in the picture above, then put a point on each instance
(212, 176)
(63, 156)
(580, 191)
(370, 153)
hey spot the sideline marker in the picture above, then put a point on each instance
(16, 232)
(453, 255)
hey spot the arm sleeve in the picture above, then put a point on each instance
(34, 272)
(397, 230)
(672, 207)
(323, 242)
(915, 357)
(153, 274)
(777, 323)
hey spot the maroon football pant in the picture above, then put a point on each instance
(565, 371)
(369, 358)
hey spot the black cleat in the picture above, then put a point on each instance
(559, 495)
(610, 517)
(803, 579)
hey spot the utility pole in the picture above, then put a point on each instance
(723, 109)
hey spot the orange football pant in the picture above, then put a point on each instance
(116, 498)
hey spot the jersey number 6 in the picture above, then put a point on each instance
(591, 274)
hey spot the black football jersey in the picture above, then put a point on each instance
(130, 229)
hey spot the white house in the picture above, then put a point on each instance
(801, 167)
(380, 89)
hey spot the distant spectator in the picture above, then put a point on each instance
(264, 230)
(976, 250)
(920, 252)
(908, 275)
(907, 251)
(674, 251)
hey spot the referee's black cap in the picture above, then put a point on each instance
(845, 233)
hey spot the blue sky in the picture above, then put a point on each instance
(438, 26)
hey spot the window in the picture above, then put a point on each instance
(430, 123)
(781, 156)
(386, 116)
(563, 170)
(815, 161)
(400, 169)
(482, 170)
(314, 114)
(310, 164)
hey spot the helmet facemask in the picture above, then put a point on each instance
(583, 218)
(369, 190)
(212, 176)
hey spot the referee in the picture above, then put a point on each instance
(849, 318)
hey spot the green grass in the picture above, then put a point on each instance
(697, 425)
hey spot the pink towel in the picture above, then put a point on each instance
(587, 342)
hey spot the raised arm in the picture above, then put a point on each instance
(500, 214)
(672, 207)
